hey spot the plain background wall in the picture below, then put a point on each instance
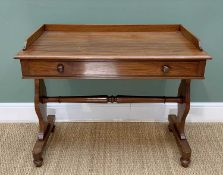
(19, 18)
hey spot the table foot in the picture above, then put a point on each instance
(183, 144)
(53, 129)
(40, 144)
(38, 162)
(170, 129)
(184, 162)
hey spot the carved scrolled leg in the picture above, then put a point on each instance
(40, 144)
(177, 123)
(184, 107)
(40, 108)
(46, 124)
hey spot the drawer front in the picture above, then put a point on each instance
(113, 69)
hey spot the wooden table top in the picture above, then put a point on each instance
(108, 42)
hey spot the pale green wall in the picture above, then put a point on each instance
(18, 18)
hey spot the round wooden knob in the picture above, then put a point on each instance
(165, 69)
(60, 68)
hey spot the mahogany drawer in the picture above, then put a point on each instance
(112, 69)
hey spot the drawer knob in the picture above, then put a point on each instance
(60, 68)
(165, 69)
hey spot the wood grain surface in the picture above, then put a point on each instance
(112, 69)
(109, 42)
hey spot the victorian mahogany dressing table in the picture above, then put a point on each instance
(113, 52)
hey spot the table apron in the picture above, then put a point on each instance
(113, 69)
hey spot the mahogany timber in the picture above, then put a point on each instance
(40, 107)
(113, 52)
(113, 42)
(182, 144)
(41, 144)
(112, 69)
(112, 99)
(34, 37)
